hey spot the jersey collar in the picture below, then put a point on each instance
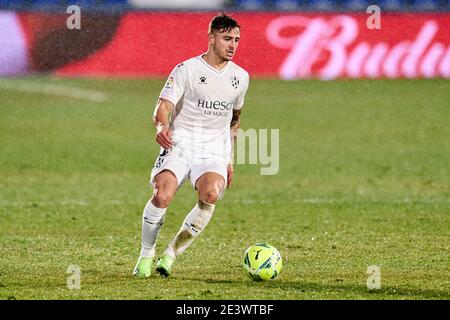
(212, 68)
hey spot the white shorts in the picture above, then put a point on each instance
(187, 169)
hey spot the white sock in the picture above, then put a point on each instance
(194, 223)
(152, 221)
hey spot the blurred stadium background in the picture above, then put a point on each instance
(233, 5)
(323, 39)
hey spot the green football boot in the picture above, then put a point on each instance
(164, 265)
(143, 267)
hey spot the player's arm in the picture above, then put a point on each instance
(234, 126)
(161, 117)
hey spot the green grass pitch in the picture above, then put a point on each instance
(364, 180)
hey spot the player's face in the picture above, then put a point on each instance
(225, 43)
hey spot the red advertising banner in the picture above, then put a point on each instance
(288, 46)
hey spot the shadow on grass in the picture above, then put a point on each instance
(99, 288)
(302, 288)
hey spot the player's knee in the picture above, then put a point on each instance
(161, 199)
(209, 196)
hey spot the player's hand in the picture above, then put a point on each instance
(164, 137)
(229, 175)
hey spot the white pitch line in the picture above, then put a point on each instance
(54, 90)
(343, 201)
(82, 203)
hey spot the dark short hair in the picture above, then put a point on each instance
(222, 23)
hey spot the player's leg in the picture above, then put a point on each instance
(165, 186)
(167, 176)
(209, 185)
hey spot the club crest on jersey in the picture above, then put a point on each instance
(202, 80)
(235, 82)
(169, 83)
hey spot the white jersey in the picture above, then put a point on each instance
(204, 100)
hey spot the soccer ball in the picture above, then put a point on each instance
(262, 262)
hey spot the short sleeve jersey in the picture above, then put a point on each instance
(204, 100)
